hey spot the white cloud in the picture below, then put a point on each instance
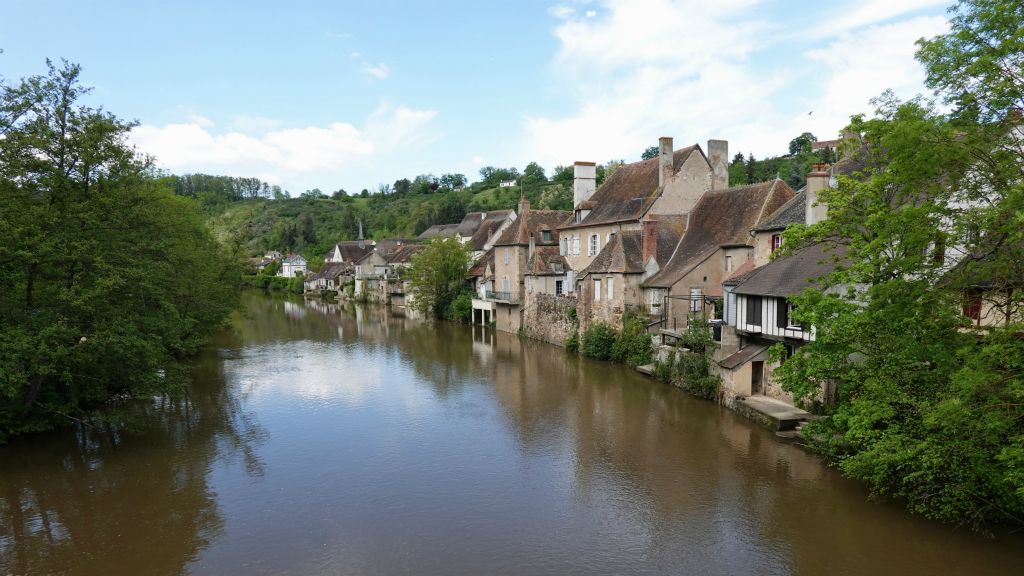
(591, 13)
(376, 71)
(867, 12)
(561, 11)
(294, 157)
(694, 70)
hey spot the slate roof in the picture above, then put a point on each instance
(630, 191)
(350, 250)
(295, 259)
(741, 356)
(487, 229)
(332, 270)
(721, 218)
(620, 255)
(533, 222)
(790, 275)
(439, 231)
(792, 212)
(474, 220)
(546, 261)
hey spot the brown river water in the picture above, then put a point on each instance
(326, 440)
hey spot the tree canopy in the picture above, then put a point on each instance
(930, 408)
(437, 276)
(108, 280)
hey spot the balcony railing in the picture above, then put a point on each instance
(508, 297)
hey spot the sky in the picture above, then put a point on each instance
(339, 94)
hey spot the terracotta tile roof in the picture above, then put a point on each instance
(404, 253)
(533, 222)
(631, 190)
(721, 218)
(480, 267)
(792, 212)
(790, 275)
(546, 261)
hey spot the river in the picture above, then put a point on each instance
(318, 439)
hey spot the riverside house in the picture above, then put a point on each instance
(292, 266)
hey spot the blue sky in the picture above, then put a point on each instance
(352, 94)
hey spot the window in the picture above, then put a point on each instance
(504, 284)
(597, 290)
(558, 287)
(562, 246)
(782, 313)
(695, 300)
(592, 248)
(506, 256)
(754, 310)
(529, 284)
(608, 238)
(576, 245)
(728, 263)
(776, 241)
(611, 287)
(545, 236)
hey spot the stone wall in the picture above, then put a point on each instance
(549, 318)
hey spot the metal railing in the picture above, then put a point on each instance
(509, 297)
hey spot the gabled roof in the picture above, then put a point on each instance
(332, 270)
(294, 259)
(480, 267)
(721, 218)
(403, 254)
(792, 212)
(741, 273)
(472, 221)
(484, 233)
(351, 251)
(439, 231)
(621, 255)
(630, 190)
(533, 222)
(790, 275)
(546, 261)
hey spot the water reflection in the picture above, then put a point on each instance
(322, 438)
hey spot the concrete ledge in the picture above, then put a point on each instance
(771, 413)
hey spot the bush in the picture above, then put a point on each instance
(599, 341)
(461, 308)
(572, 343)
(633, 346)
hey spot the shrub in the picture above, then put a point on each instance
(633, 345)
(461, 308)
(572, 343)
(599, 341)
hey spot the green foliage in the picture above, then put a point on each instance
(461, 308)
(928, 411)
(599, 341)
(437, 276)
(650, 152)
(572, 343)
(802, 143)
(108, 279)
(633, 345)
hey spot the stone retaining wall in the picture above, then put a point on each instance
(549, 318)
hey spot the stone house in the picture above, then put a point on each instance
(716, 243)
(330, 277)
(512, 250)
(481, 278)
(612, 283)
(670, 184)
(349, 252)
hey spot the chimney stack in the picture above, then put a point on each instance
(718, 156)
(649, 239)
(665, 160)
(817, 180)
(361, 241)
(533, 245)
(584, 181)
(524, 206)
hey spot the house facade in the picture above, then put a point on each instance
(292, 266)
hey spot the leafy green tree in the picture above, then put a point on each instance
(437, 276)
(108, 279)
(802, 143)
(564, 176)
(650, 152)
(751, 168)
(452, 181)
(927, 410)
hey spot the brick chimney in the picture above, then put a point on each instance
(718, 156)
(665, 160)
(533, 246)
(584, 181)
(817, 180)
(649, 239)
(524, 206)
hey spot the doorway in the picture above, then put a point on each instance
(756, 378)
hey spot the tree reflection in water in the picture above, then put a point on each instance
(102, 513)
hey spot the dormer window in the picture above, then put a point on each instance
(579, 216)
(545, 236)
(776, 242)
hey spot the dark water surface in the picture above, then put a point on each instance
(322, 440)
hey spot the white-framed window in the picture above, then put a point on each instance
(576, 245)
(597, 289)
(504, 284)
(563, 249)
(595, 240)
(776, 241)
(611, 287)
(506, 256)
(529, 284)
(695, 299)
(728, 263)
